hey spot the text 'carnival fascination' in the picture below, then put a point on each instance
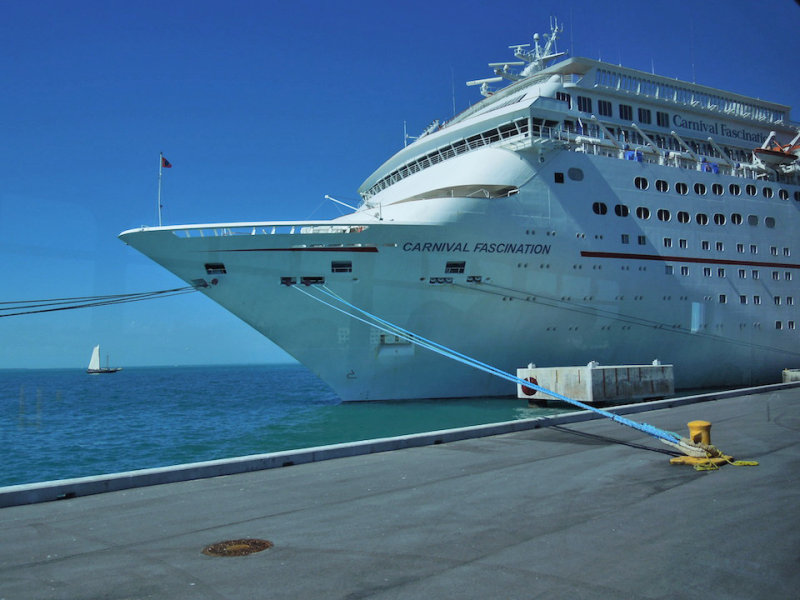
(477, 247)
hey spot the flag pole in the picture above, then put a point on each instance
(160, 165)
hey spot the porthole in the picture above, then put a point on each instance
(717, 189)
(575, 174)
(767, 191)
(752, 220)
(683, 216)
(641, 183)
(769, 222)
(734, 189)
(662, 186)
(599, 208)
(642, 212)
(783, 194)
(719, 219)
(700, 189)
(681, 188)
(797, 196)
(621, 210)
(750, 189)
(736, 219)
(663, 214)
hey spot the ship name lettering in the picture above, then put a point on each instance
(718, 129)
(435, 247)
(511, 248)
(694, 125)
(478, 247)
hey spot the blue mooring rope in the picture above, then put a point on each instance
(414, 338)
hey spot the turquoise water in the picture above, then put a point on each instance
(57, 424)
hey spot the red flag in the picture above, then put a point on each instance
(165, 163)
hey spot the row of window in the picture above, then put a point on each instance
(625, 111)
(734, 189)
(720, 247)
(664, 214)
(490, 136)
(685, 95)
(743, 274)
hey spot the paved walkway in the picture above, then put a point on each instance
(544, 513)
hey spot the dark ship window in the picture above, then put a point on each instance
(455, 267)
(215, 269)
(341, 266)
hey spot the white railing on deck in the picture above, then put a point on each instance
(264, 228)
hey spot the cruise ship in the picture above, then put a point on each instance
(579, 211)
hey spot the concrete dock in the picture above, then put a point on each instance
(547, 512)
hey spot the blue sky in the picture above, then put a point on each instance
(263, 108)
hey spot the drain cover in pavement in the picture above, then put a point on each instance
(237, 547)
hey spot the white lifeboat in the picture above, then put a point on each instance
(773, 157)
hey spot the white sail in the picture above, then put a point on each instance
(94, 362)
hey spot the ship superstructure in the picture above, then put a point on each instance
(585, 211)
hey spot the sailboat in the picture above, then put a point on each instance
(94, 364)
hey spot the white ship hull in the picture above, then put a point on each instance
(511, 237)
(544, 302)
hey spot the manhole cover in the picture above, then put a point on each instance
(237, 547)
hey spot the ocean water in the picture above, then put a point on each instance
(58, 424)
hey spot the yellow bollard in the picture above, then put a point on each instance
(700, 432)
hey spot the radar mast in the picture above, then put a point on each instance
(535, 60)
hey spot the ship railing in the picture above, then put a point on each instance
(264, 228)
(644, 153)
(506, 133)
